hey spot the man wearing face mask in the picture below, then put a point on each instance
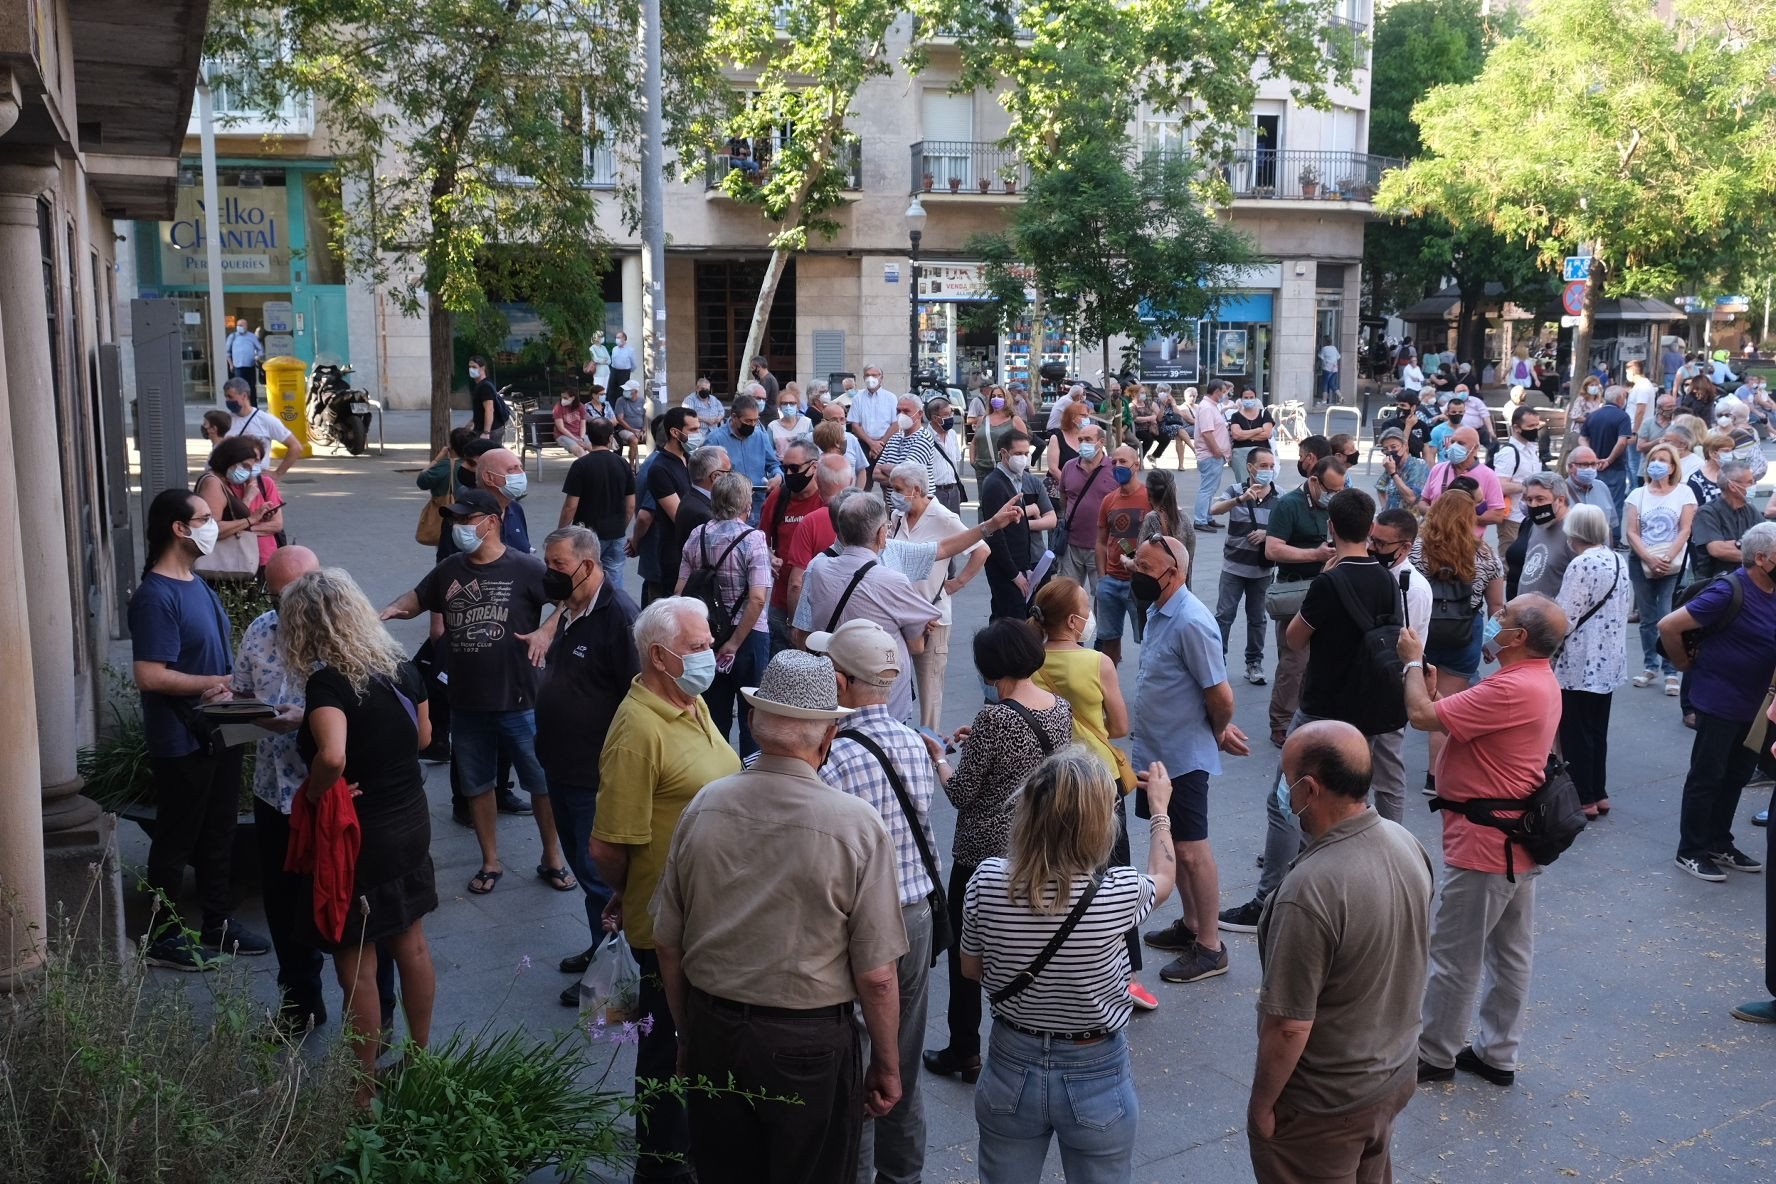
(1245, 572)
(1544, 548)
(1085, 481)
(798, 496)
(489, 413)
(500, 472)
(1297, 540)
(1516, 460)
(1344, 944)
(661, 750)
(909, 440)
(179, 640)
(767, 392)
(705, 406)
(1453, 412)
(1016, 549)
(1583, 487)
(919, 518)
(622, 364)
(248, 420)
(1607, 432)
(1403, 474)
(599, 494)
(1309, 453)
(750, 451)
(591, 663)
(1120, 516)
(668, 484)
(492, 598)
(872, 412)
(946, 461)
(1463, 460)
(245, 351)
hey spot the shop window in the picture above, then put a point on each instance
(320, 207)
(726, 292)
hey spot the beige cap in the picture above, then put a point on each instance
(862, 649)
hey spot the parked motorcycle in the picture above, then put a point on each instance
(338, 413)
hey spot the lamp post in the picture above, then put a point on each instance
(915, 224)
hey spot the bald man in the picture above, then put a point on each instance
(500, 472)
(1344, 943)
(1462, 454)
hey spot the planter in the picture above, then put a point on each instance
(927, 182)
(1010, 185)
(1310, 189)
(985, 184)
(955, 184)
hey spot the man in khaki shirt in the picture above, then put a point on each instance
(1344, 944)
(778, 914)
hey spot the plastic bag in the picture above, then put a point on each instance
(612, 982)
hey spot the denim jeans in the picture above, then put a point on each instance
(723, 696)
(1652, 600)
(1616, 481)
(1115, 601)
(574, 807)
(612, 559)
(1034, 1087)
(478, 741)
(1208, 477)
(1250, 589)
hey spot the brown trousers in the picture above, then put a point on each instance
(1285, 683)
(1348, 1148)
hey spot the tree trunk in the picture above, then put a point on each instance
(438, 330)
(761, 314)
(792, 217)
(1112, 405)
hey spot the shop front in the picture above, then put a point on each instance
(1233, 345)
(274, 249)
(955, 343)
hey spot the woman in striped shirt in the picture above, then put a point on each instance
(1058, 1062)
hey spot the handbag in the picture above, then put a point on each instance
(942, 936)
(1123, 769)
(1282, 600)
(430, 531)
(233, 558)
(1028, 974)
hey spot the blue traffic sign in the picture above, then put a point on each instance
(1576, 269)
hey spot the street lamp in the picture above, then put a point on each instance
(915, 224)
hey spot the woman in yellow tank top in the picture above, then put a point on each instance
(1086, 679)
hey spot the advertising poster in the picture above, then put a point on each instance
(1171, 357)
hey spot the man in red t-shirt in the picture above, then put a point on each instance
(1119, 532)
(790, 501)
(812, 535)
(1500, 734)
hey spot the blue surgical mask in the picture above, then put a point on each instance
(240, 474)
(1456, 453)
(1582, 477)
(699, 671)
(1284, 792)
(1658, 470)
(1264, 476)
(1249, 405)
(466, 537)
(1088, 451)
(899, 502)
(1123, 474)
(517, 485)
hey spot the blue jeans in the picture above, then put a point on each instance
(575, 806)
(612, 559)
(1616, 481)
(1208, 478)
(1032, 1087)
(1331, 386)
(1115, 601)
(479, 738)
(723, 696)
(1652, 600)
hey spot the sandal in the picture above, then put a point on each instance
(558, 878)
(482, 882)
(1646, 678)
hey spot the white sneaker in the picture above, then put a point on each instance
(1646, 678)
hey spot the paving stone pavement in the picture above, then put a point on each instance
(1633, 1071)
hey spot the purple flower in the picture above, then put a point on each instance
(646, 1025)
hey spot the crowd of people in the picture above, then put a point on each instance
(790, 636)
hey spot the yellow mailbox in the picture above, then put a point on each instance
(286, 385)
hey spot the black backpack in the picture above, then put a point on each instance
(1693, 638)
(1452, 613)
(701, 585)
(1551, 817)
(1375, 696)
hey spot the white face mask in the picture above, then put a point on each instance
(904, 422)
(204, 536)
(517, 485)
(1018, 462)
(872, 382)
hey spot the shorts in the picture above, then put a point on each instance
(1114, 600)
(1462, 660)
(1189, 807)
(479, 738)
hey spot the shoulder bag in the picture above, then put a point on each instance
(431, 515)
(942, 936)
(1028, 974)
(233, 558)
(832, 622)
(1062, 534)
(1034, 724)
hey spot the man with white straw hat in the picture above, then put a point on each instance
(768, 851)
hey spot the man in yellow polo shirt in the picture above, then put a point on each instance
(662, 748)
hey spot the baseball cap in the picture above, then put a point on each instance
(470, 502)
(862, 650)
(1391, 434)
(631, 385)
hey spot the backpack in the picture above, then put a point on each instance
(1452, 613)
(1693, 638)
(1375, 696)
(1551, 817)
(701, 585)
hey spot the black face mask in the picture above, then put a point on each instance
(1144, 586)
(742, 430)
(796, 482)
(558, 585)
(1540, 515)
(948, 423)
(1385, 558)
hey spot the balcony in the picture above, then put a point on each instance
(975, 168)
(717, 165)
(235, 116)
(1355, 27)
(599, 162)
(1285, 175)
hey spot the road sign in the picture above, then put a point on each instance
(1576, 268)
(1572, 297)
(1569, 322)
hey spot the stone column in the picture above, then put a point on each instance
(78, 836)
(633, 324)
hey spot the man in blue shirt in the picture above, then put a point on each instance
(245, 352)
(749, 450)
(1608, 432)
(1183, 718)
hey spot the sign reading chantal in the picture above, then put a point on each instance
(251, 229)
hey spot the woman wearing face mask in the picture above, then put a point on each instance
(997, 423)
(918, 518)
(741, 562)
(790, 425)
(490, 413)
(179, 637)
(1145, 411)
(1245, 572)
(1656, 522)
(570, 423)
(1063, 444)
(1448, 555)
(1685, 432)
(1164, 518)
(1705, 481)
(1086, 680)
(1595, 594)
(238, 498)
(1250, 425)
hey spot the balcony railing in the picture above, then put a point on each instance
(1344, 22)
(598, 160)
(717, 165)
(1306, 176)
(966, 166)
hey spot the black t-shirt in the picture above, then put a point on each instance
(694, 509)
(667, 477)
(590, 666)
(381, 739)
(1334, 649)
(1247, 423)
(486, 606)
(486, 392)
(602, 481)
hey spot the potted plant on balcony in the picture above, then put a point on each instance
(1010, 179)
(955, 184)
(1357, 189)
(985, 183)
(1310, 181)
(928, 179)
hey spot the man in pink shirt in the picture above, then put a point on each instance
(1463, 451)
(1214, 443)
(1500, 733)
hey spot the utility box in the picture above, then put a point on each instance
(286, 388)
(157, 332)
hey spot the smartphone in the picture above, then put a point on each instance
(941, 742)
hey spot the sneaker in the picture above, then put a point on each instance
(1468, 1061)
(1646, 678)
(1195, 964)
(1761, 818)
(1761, 1012)
(231, 937)
(1429, 1072)
(1243, 919)
(511, 803)
(1736, 860)
(1177, 937)
(1255, 674)
(1142, 998)
(1671, 685)
(1702, 869)
(180, 952)
(1211, 526)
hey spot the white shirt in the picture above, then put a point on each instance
(949, 445)
(265, 425)
(1515, 461)
(1641, 394)
(1418, 595)
(936, 524)
(1054, 413)
(873, 411)
(1411, 377)
(1476, 414)
(1329, 358)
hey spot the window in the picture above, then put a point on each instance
(234, 112)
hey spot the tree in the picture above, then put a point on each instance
(463, 130)
(1125, 250)
(1600, 125)
(811, 57)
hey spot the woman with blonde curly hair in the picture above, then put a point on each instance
(366, 722)
(1453, 560)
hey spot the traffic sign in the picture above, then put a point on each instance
(1569, 322)
(1572, 297)
(1577, 268)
